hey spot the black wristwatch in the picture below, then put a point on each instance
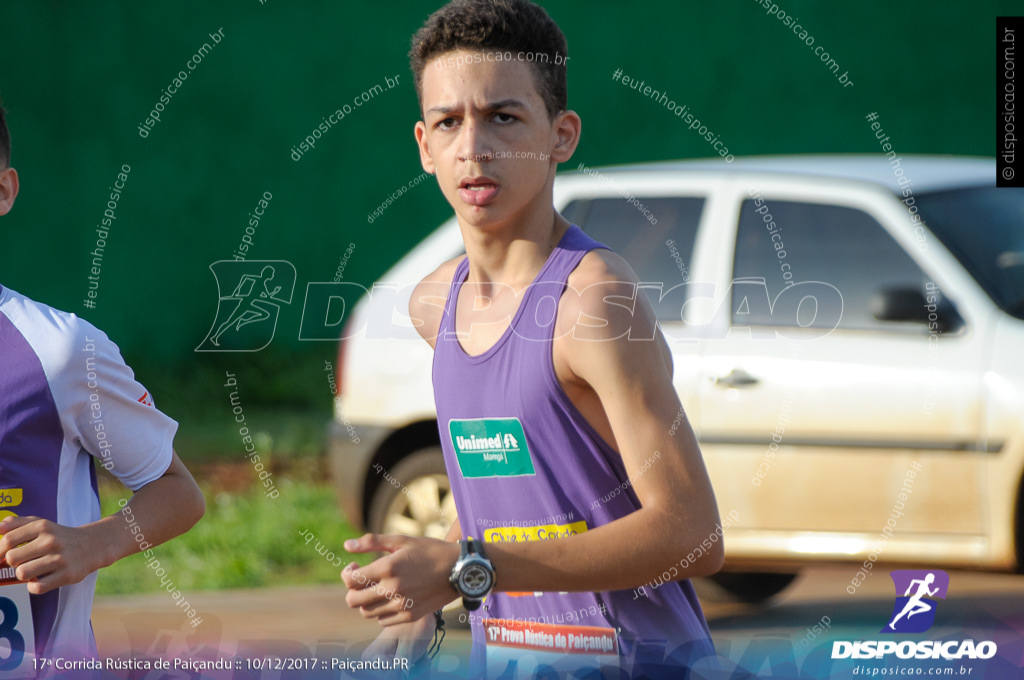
(473, 574)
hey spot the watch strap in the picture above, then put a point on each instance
(478, 547)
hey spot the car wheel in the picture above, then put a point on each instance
(414, 497)
(752, 587)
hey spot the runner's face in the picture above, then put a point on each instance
(486, 134)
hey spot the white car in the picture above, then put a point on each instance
(848, 338)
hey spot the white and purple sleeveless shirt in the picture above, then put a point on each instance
(525, 465)
(67, 398)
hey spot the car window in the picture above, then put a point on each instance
(996, 261)
(655, 235)
(786, 242)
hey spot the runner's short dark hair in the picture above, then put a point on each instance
(516, 26)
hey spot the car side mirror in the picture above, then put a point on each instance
(909, 304)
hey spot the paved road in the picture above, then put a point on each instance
(303, 620)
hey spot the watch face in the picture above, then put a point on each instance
(475, 580)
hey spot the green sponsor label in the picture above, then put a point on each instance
(491, 447)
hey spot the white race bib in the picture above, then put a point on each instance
(17, 636)
(519, 649)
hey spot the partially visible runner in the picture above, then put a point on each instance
(67, 403)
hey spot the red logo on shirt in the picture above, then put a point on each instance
(146, 399)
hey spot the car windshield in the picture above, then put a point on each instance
(984, 228)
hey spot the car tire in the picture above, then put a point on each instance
(414, 497)
(751, 587)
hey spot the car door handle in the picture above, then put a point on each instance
(736, 378)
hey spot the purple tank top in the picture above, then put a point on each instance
(524, 464)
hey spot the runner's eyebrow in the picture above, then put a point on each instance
(505, 104)
(510, 103)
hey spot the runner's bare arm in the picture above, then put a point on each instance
(50, 555)
(455, 533)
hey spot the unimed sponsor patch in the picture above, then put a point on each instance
(491, 447)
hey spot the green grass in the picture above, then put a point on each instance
(245, 540)
(214, 436)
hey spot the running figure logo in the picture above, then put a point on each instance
(247, 317)
(914, 612)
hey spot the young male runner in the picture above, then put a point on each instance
(67, 398)
(552, 384)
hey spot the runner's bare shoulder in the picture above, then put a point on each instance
(603, 287)
(428, 298)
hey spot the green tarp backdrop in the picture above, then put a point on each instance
(79, 79)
